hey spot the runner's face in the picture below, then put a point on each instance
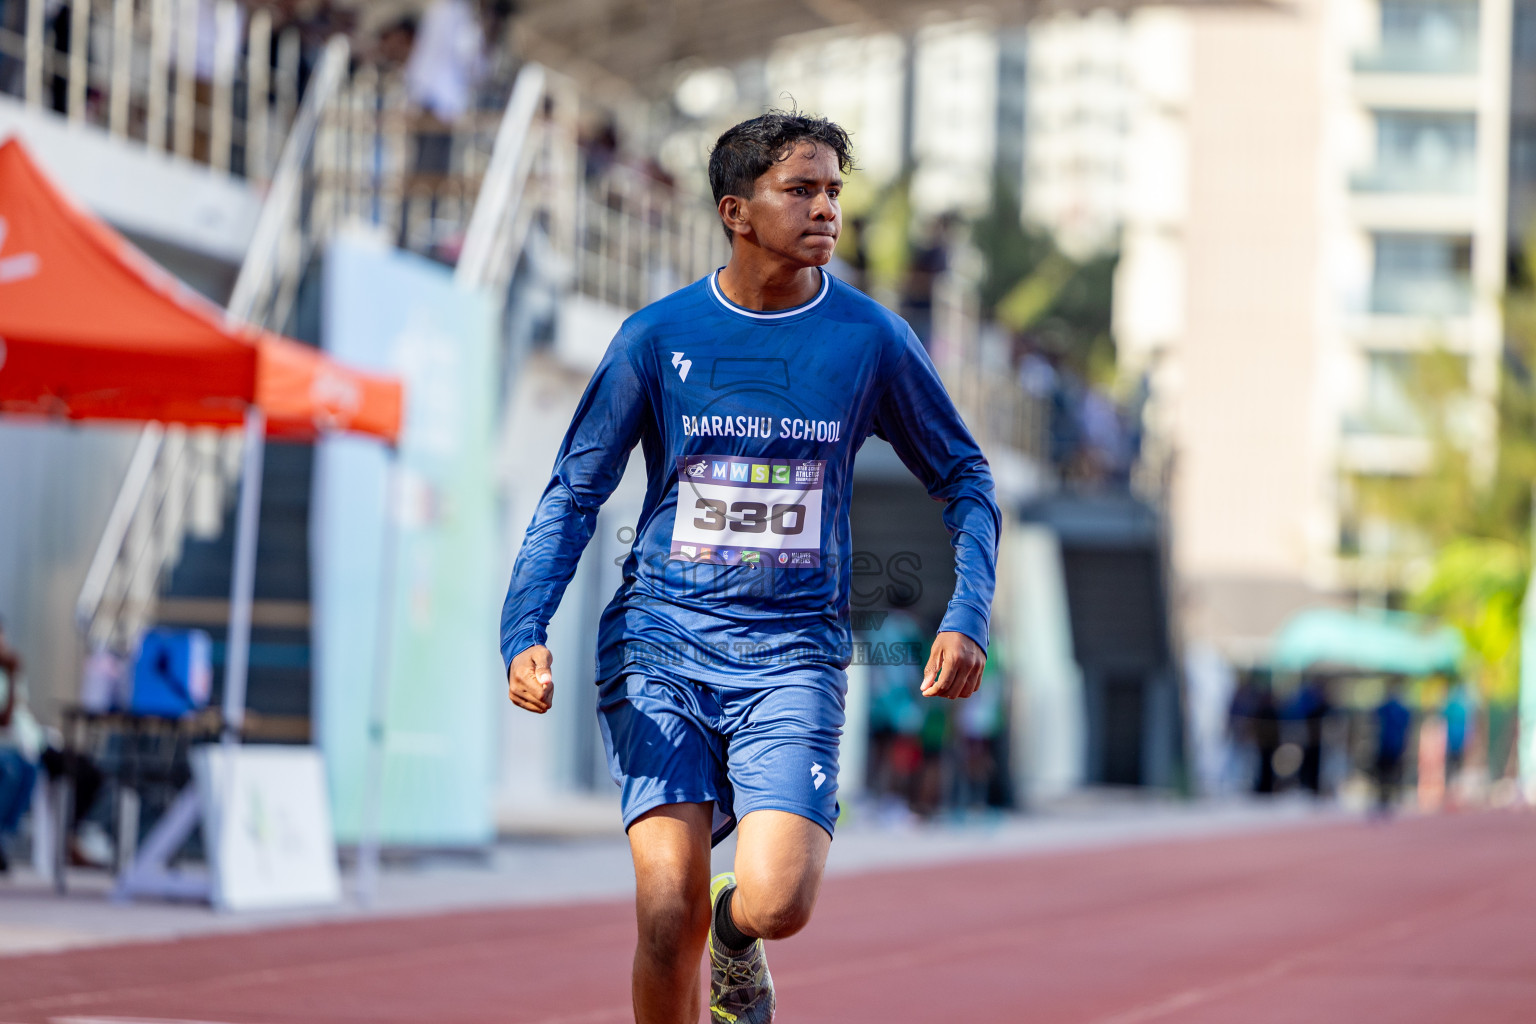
(794, 210)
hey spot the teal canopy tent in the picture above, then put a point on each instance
(1376, 641)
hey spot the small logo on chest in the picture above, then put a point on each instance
(682, 365)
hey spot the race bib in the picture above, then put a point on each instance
(735, 510)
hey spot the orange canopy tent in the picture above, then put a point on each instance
(91, 329)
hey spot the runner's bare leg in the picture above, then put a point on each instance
(670, 845)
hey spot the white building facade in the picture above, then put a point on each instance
(1316, 199)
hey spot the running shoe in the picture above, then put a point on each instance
(740, 987)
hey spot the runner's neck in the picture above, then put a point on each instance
(768, 289)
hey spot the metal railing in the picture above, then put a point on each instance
(469, 193)
(145, 531)
(975, 363)
(638, 238)
(202, 81)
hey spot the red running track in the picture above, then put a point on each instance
(1430, 920)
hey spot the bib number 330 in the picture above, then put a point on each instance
(786, 520)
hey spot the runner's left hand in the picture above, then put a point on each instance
(954, 667)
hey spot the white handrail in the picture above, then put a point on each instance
(287, 182)
(498, 195)
(135, 482)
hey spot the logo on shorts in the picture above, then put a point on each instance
(818, 775)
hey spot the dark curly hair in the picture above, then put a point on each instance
(746, 152)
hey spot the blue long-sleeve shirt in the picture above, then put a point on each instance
(749, 422)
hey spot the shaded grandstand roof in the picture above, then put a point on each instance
(639, 41)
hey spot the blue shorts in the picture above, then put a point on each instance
(672, 741)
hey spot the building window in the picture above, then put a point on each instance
(1422, 275)
(1426, 36)
(1423, 152)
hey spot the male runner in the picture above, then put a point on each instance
(721, 657)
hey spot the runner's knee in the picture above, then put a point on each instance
(672, 914)
(777, 913)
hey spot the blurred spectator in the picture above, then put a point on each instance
(447, 60)
(601, 151)
(210, 37)
(1242, 745)
(981, 721)
(857, 254)
(1310, 708)
(1037, 375)
(930, 261)
(24, 749)
(446, 63)
(1392, 720)
(895, 710)
(933, 739)
(56, 17)
(396, 42)
(18, 749)
(1266, 733)
(1103, 455)
(314, 24)
(1458, 720)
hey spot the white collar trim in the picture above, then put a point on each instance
(777, 314)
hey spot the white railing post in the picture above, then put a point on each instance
(79, 48)
(33, 89)
(286, 85)
(226, 51)
(257, 78)
(186, 77)
(121, 77)
(156, 104)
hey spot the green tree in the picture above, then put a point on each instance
(1477, 585)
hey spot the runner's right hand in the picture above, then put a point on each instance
(529, 682)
